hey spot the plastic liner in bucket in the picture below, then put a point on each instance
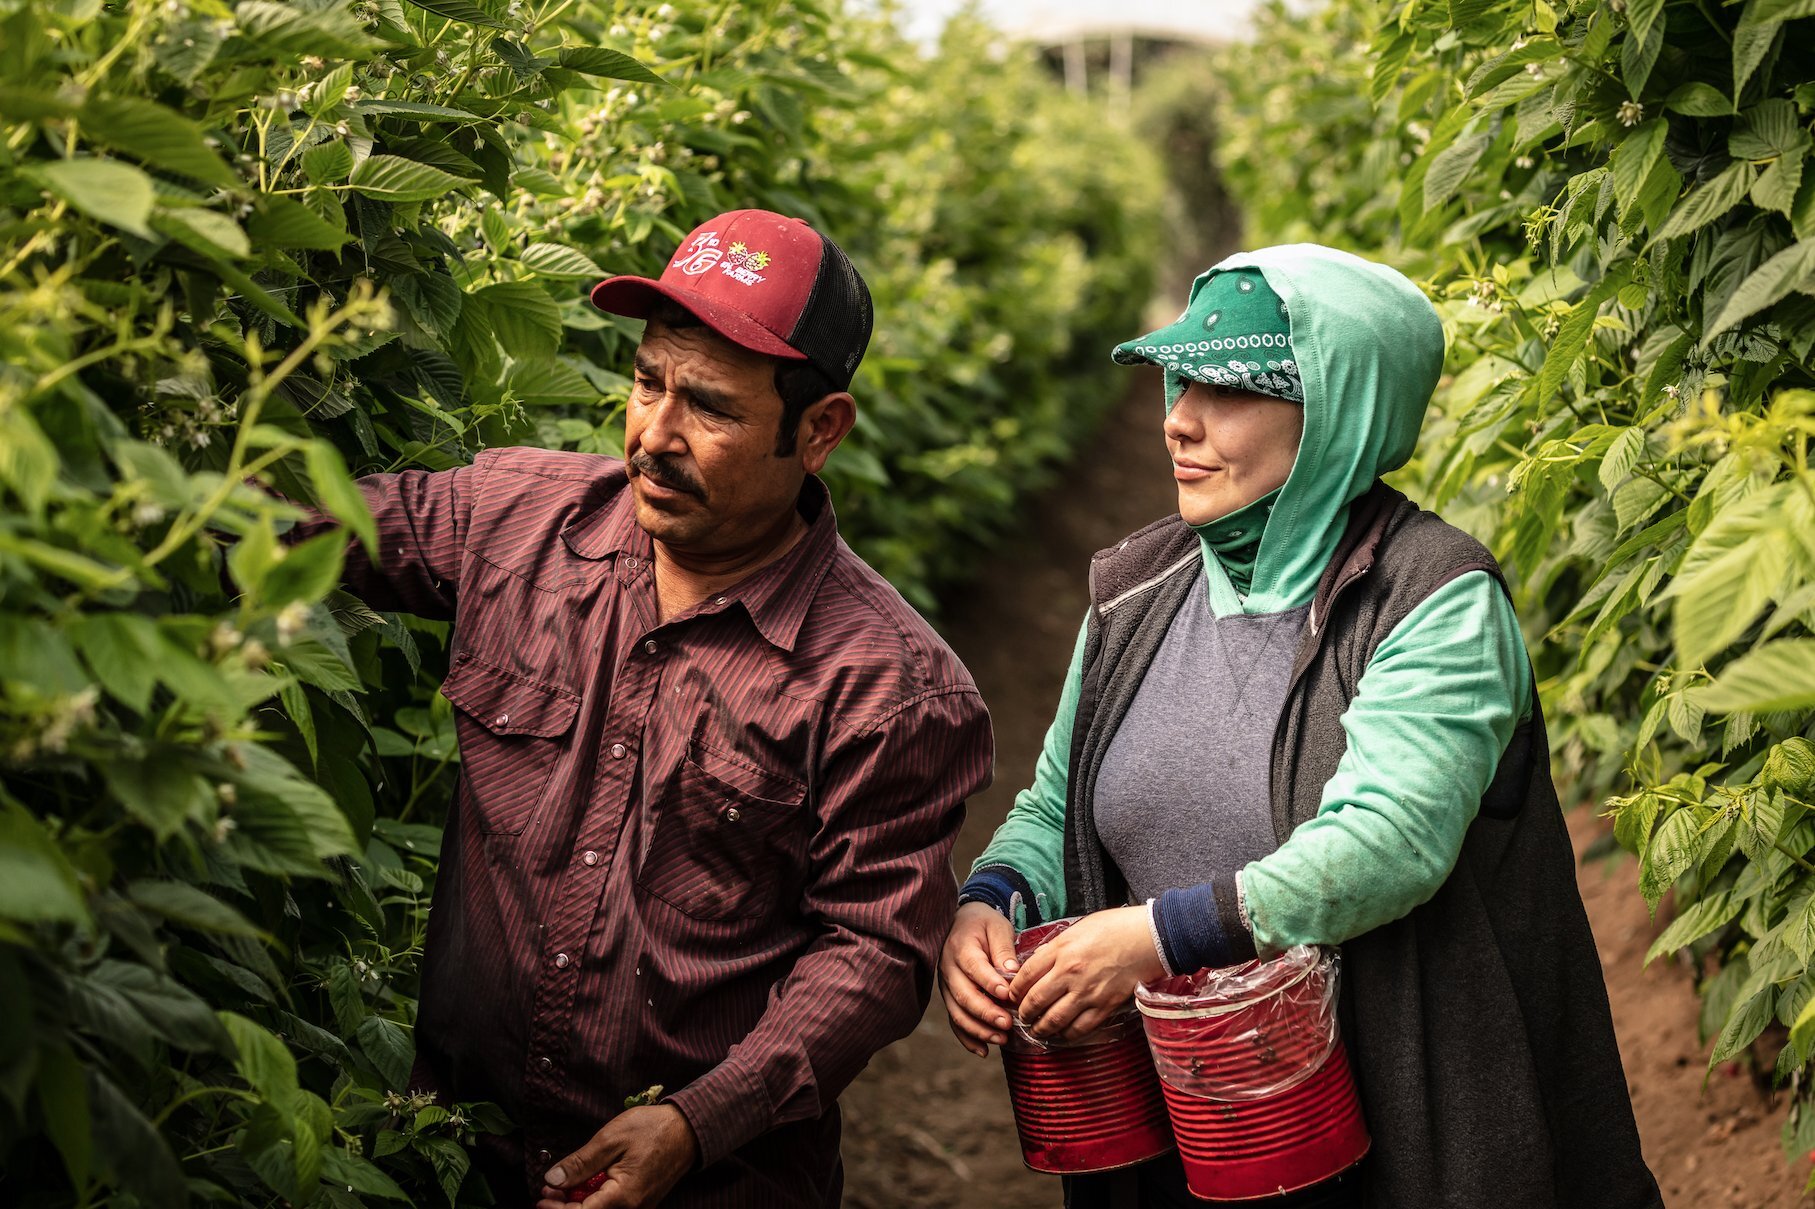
(1258, 1085)
(1093, 1105)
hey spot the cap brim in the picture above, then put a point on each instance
(635, 297)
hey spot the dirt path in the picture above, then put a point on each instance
(928, 1125)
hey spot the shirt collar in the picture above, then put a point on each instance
(776, 597)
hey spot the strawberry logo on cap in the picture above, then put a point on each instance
(744, 265)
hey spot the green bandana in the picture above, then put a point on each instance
(1235, 539)
(1235, 332)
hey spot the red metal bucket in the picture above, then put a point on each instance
(1259, 1088)
(1091, 1106)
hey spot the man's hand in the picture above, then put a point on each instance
(642, 1153)
(1072, 983)
(980, 943)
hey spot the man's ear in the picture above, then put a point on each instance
(823, 427)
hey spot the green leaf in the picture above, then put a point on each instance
(603, 61)
(63, 1094)
(1790, 767)
(122, 650)
(549, 381)
(1621, 457)
(1639, 54)
(349, 1171)
(1632, 161)
(1698, 100)
(1779, 675)
(1710, 201)
(558, 260)
(1791, 269)
(1572, 337)
(1452, 165)
(329, 31)
(1671, 852)
(264, 1062)
(190, 906)
(284, 223)
(105, 190)
(326, 163)
(176, 1014)
(159, 789)
(1745, 1024)
(208, 232)
(307, 571)
(1777, 185)
(1735, 567)
(389, 1048)
(339, 494)
(1751, 43)
(391, 178)
(460, 10)
(526, 320)
(1640, 15)
(1696, 921)
(128, 1149)
(449, 1161)
(1768, 129)
(160, 137)
(419, 110)
(37, 882)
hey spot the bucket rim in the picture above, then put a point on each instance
(1158, 1012)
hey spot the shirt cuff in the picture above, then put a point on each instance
(996, 886)
(726, 1107)
(1201, 927)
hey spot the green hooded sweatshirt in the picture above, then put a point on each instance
(1442, 694)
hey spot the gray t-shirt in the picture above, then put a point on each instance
(1182, 793)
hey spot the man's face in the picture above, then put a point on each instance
(1229, 447)
(700, 438)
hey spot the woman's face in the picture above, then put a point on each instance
(1229, 447)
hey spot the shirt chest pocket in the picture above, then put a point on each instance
(728, 840)
(513, 733)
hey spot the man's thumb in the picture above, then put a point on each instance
(574, 1168)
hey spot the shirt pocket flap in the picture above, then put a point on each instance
(742, 778)
(506, 703)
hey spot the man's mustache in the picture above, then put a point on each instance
(667, 472)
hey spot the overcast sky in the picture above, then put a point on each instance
(1208, 18)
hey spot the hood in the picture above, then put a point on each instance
(1369, 348)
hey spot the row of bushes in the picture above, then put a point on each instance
(300, 241)
(1611, 200)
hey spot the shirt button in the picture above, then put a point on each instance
(649, 647)
(544, 1064)
(561, 960)
(720, 600)
(619, 751)
(589, 858)
(733, 814)
(542, 1156)
(501, 719)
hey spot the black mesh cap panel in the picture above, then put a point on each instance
(834, 326)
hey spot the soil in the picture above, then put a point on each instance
(928, 1125)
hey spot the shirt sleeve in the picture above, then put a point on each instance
(891, 799)
(1026, 856)
(1430, 720)
(422, 518)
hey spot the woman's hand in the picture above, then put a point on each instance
(980, 943)
(1072, 983)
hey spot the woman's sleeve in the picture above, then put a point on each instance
(1428, 725)
(1025, 859)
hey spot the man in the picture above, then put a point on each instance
(712, 764)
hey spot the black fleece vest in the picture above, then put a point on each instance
(1478, 1024)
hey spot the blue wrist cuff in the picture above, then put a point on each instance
(1201, 927)
(993, 888)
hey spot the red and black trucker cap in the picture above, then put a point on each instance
(764, 281)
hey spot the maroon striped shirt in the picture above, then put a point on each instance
(709, 853)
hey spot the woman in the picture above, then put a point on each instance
(1301, 712)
